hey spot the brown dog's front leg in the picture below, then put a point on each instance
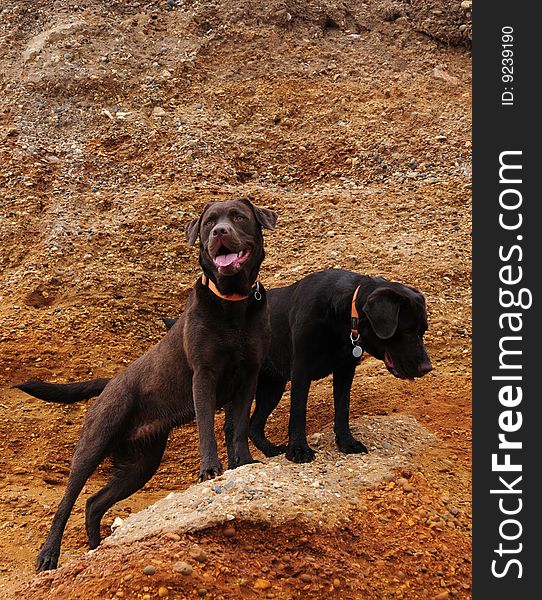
(204, 390)
(238, 415)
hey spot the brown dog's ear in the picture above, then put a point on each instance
(191, 231)
(266, 218)
(382, 310)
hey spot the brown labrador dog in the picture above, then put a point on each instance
(210, 358)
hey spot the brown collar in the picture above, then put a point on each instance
(206, 281)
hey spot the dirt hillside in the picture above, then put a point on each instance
(118, 122)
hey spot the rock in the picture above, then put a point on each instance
(305, 578)
(183, 568)
(149, 570)
(170, 535)
(163, 592)
(158, 111)
(116, 523)
(229, 532)
(199, 555)
(442, 596)
(202, 592)
(261, 584)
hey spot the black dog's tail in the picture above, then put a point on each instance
(65, 393)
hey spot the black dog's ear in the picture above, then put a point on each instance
(382, 310)
(266, 218)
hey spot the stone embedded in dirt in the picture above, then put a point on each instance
(442, 596)
(202, 592)
(229, 532)
(261, 584)
(163, 592)
(183, 568)
(171, 535)
(199, 555)
(149, 570)
(305, 578)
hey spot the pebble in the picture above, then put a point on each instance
(261, 584)
(442, 596)
(305, 578)
(163, 592)
(158, 111)
(199, 555)
(183, 568)
(202, 592)
(229, 532)
(149, 570)
(170, 535)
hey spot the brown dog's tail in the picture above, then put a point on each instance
(65, 393)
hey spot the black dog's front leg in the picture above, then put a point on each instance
(299, 450)
(204, 391)
(342, 383)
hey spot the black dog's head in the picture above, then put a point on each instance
(231, 242)
(394, 327)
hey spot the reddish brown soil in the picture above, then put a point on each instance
(356, 130)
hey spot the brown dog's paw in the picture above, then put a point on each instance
(351, 446)
(47, 558)
(210, 472)
(300, 454)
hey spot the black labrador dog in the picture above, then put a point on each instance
(210, 358)
(320, 325)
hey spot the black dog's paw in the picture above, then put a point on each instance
(300, 454)
(210, 472)
(238, 462)
(275, 450)
(47, 559)
(351, 446)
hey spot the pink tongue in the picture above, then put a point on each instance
(388, 361)
(225, 260)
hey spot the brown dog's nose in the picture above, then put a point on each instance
(425, 367)
(220, 230)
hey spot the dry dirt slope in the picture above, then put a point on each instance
(117, 123)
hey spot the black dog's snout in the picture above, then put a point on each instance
(425, 367)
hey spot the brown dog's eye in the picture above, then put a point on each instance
(209, 223)
(239, 218)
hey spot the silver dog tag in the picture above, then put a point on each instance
(357, 351)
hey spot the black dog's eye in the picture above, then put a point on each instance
(239, 218)
(209, 223)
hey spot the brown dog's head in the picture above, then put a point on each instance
(393, 329)
(231, 242)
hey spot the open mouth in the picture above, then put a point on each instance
(392, 369)
(225, 258)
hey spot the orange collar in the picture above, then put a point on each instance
(357, 350)
(233, 297)
(354, 334)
